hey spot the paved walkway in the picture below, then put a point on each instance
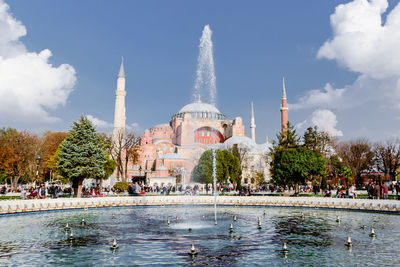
(19, 206)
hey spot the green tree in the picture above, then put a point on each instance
(295, 166)
(317, 141)
(286, 139)
(81, 155)
(228, 167)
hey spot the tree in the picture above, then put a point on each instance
(318, 141)
(356, 155)
(17, 155)
(294, 166)
(81, 155)
(286, 139)
(228, 166)
(50, 143)
(124, 149)
(387, 157)
(259, 177)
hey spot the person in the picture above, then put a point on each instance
(131, 189)
(53, 190)
(352, 190)
(328, 193)
(42, 191)
(385, 191)
(136, 192)
(23, 193)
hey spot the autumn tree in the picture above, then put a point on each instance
(387, 157)
(357, 155)
(17, 155)
(50, 142)
(81, 155)
(124, 149)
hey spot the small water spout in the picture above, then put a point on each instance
(71, 236)
(114, 245)
(337, 219)
(284, 247)
(168, 222)
(259, 225)
(234, 218)
(66, 228)
(348, 243)
(231, 228)
(83, 221)
(192, 251)
(372, 234)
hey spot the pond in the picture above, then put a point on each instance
(313, 237)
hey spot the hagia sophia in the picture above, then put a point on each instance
(169, 152)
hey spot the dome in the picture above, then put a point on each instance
(242, 142)
(162, 168)
(199, 107)
(200, 110)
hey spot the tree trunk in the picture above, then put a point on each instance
(14, 182)
(78, 187)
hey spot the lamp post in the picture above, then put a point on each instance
(38, 159)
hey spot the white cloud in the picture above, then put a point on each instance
(99, 123)
(29, 85)
(327, 96)
(326, 121)
(134, 127)
(362, 42)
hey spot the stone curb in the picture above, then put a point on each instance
(23, 206)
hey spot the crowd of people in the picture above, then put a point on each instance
(375, 190)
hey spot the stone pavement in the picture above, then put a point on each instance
(34, 205)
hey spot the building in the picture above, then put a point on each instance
(170, 151)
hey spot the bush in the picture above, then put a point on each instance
(121, 186)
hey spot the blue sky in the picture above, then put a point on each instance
(255, 44)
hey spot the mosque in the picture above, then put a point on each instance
(170, 151)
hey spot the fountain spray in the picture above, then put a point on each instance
(205, 73)
(215, 183)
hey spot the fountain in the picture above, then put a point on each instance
(144, 230)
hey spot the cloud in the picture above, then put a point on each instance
(364, 41)
(29, 85)
(327, 96)
(134, 127)
(326, 121)
(99, 123)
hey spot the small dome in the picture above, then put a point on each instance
(162, 168)
(242, 142)
(171, 156)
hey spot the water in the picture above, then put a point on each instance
(205, 83)
(214, 174)
(144, 237)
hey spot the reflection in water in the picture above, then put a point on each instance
(305, 231)
(144, 237)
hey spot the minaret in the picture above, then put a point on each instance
(253, 124)
(284, 108)
(119, 114)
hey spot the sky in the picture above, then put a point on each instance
(340, 59)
